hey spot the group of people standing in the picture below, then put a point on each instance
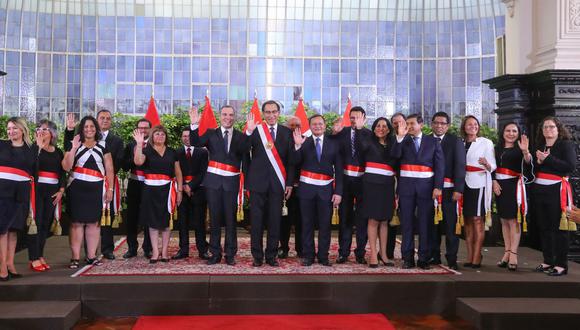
(432, 185)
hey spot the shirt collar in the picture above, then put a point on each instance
(420, 136)
(275, 126)
(440, 137)
(321, 138)
(226, 129)
(104, 134)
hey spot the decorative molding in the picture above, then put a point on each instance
(510, 6)
(574, 15)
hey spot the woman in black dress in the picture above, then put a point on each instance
(162, 187)
(50, 182)
(554, 160)
(89, 190)
(511, 153)
(378, 185)
(17, 169)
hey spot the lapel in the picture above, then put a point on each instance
(324, 147)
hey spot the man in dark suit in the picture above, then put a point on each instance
(421, 181)
(292, 204)
(269, 180)
(115, 145)
(226, 146)
(320, 164)
(134, 189)
(454, 152)
(397, 119)
(193, 162)
(352, 193)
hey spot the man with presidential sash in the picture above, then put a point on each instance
(269, 180)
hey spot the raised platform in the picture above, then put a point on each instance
(109, 296)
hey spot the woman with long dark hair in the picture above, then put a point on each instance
(50, 183)
(378, 185)
(511, 153)
(162, 189)
(554, 160)
(90, 188)
(17, 170)
(480, 162)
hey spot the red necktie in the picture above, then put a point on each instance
(188, 154)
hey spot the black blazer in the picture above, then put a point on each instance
(343, 138)
(330, 164)
(430, 154)
(261, 174)
(196, 166)
(454, 152)
(113, 143)
(214, 142)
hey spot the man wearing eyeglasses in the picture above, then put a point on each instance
(454, 181)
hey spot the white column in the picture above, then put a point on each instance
(542, 35)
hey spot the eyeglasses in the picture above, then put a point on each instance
(438, 123)
(42, 129)
(549, 127)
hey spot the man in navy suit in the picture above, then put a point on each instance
(269, 180)
(193, 162)
(352, 194)
(421, 181)
(454, 182)
(320, 165)
(226, 146)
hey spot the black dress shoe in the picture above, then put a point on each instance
(423, 265)
(204, 256)
(325, 263)
(109, 256)
(179, 256)
(373, 265)
(14, 275)
(434, 261)
(214, 260)
(152, 261)
(257, 262)
(5, 279)
(129, 254)
(361, 260)
(476, 266)
(273, 263)
(341, 259)
(282, 254)
(453, 266)
(408, 265)
(467, 264)
(148, 254)
(307, 262)
(231, 261)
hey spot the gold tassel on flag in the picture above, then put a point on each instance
(103, 218)
(563, 222)
(335, 219)
(395, 221)
(457, 228)
(240, 214)
(170, 222)
(525, 224)
(572, 226)
(108, 217)
(487, 220)
(116, 221)
(284, 209)
(438, 214)
(32, 229)
(56, 228)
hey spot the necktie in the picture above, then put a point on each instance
(226, 135)
(416, 140)
(352, 144)
(273, 133)
(188, 153)
(318, 149)
(438, 139)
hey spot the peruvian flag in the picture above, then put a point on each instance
(346, 116)
(257, 115)
(152, 114)
(301, 114)
(207, 118)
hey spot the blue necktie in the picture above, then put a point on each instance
(272, 133)
(352, 144)
(318, 149)
(416, 140)
(226, 134)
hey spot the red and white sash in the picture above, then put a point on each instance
(416, 171)
(316, 179)
(448, 183)
(378, 168)
(47, 177)
(15, 174)
(547, 179)
(157, 180)
(137, 175)
(272, 153)
(502, 173)
(354, 171)
(86, 174)
(488, 187)
(188, 178)
(222, 169)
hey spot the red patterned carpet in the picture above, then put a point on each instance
(290, 266)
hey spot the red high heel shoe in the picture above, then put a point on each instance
(39, 268)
